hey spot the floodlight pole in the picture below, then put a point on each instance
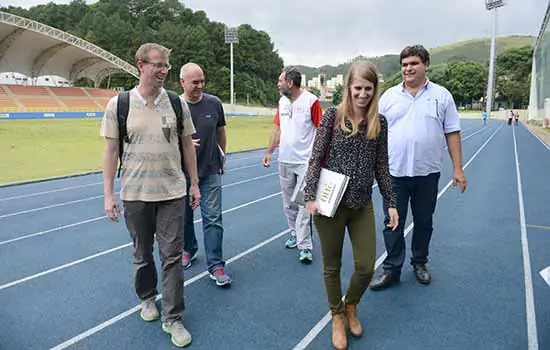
(492, 5)
(231, 38)
(231, 72)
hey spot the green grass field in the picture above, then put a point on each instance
(33, 149)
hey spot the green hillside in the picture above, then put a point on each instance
(476, 50)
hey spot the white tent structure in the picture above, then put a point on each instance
(35, 50)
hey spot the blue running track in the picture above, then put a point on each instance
(66, 271)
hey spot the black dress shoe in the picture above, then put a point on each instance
(384, 281)
(421, 273)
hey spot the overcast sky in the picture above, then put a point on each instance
(317, 32)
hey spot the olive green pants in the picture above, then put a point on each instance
(361, 228)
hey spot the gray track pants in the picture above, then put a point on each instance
(297, 216)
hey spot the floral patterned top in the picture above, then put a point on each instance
(361, 159)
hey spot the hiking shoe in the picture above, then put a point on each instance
(306, 256)
(291, 242)
(180, 336)
(186, 259)
(149, 311)
(221, 278)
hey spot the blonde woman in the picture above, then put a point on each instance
(351, 140)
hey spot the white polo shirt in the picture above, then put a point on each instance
(417, 126)
(298, 122)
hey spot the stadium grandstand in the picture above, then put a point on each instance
(34, 50)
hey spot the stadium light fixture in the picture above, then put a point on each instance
(231, 38)
(492, 5)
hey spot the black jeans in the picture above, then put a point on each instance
(421, 191)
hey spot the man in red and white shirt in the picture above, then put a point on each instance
(298, 116)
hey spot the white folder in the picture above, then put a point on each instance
(330, 190)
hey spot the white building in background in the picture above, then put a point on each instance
(331, 83)
(21, 79)
(314, 82)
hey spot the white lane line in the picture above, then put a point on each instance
(472, 134)
(104, 217)
(314, 332)
(105, 252)
(34, 194)
(467, 137)
(49, 191)
(49, 206)
(545, 274)
(101, 196)
(251, 179)
(532, 336)
(136, 308)
(52, 230)
(247, 167)
(259, 156)
(538, 138)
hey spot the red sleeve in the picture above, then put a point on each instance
(277, 120)
(316, 113)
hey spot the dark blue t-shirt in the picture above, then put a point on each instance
(208, 116)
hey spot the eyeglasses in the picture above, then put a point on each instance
(159, 65)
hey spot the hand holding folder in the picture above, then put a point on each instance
(330, 190)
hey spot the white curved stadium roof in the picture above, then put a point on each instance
(35, 49)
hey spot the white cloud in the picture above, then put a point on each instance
(317, 32)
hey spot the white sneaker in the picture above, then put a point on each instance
(149, 311)
(180, 335)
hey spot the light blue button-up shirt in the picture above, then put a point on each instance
(417, 126)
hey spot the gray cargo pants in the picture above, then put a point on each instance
(290, 175)
(143, 220)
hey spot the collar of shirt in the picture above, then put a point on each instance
(142, 99)
(422, 88)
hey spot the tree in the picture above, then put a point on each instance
(315, 91)
(337, 95)
(466, 81)
(121, 26)
(513, 76)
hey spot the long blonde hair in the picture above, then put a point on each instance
(366, 70)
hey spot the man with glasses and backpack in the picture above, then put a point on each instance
(150, 129)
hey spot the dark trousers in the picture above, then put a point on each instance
(144, 221)
(360, 226)
(210, 187)
(421, 192)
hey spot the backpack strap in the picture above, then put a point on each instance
(123, 106)
(175, 100)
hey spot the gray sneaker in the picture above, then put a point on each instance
(149, 311)
(221, 278)
(186, 259)
(306, 256)
(180, 336)
(291, 242)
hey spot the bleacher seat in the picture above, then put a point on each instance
(21, 98)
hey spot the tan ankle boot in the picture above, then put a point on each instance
(339, 338)
(354, 325)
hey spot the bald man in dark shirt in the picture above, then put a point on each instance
(210, 142)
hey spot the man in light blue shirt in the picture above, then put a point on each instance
(422, 119)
